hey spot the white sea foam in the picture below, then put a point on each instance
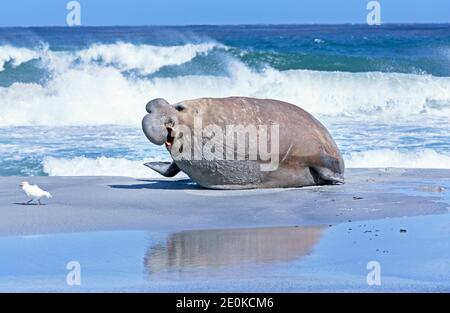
(16, 56)
(426, 158)
(92, 94)
(102, 166)
(144, 58)
(88, 96)
(386, 95)
(123, 56)
(82, 166)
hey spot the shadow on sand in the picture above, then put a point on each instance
(181, 184)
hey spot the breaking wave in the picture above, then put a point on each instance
(16, 56)
(124, 56)
(426, 158)
(93, 94)
(144, 58)
(103, 166)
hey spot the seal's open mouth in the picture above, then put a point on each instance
(170, 138)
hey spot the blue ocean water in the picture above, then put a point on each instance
(71, 99)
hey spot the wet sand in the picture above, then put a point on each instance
(171, 235)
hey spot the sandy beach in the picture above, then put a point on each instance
(171, 235)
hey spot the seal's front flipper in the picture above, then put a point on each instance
(325, 176)
(166, 169)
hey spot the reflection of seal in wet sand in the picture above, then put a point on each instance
(306, 155)
(232, 247)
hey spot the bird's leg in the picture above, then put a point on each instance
(28, 202)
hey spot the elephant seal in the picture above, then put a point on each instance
(232, 151)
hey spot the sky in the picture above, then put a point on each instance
(195, 12)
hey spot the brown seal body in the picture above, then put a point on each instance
(306, 155)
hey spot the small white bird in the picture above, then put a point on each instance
(34, 192)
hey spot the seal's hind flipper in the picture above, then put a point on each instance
(330, 171)
(166, 169)
(325, 176)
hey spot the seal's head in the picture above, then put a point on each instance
(159, 122)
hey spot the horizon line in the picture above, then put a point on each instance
(222, 25)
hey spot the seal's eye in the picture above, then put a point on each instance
(179, 107)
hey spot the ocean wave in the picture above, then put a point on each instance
(95, 94)
(87, 96)
(145, 58)
(16, 56)
(385, 95)
(426, 158)
(102, 166)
